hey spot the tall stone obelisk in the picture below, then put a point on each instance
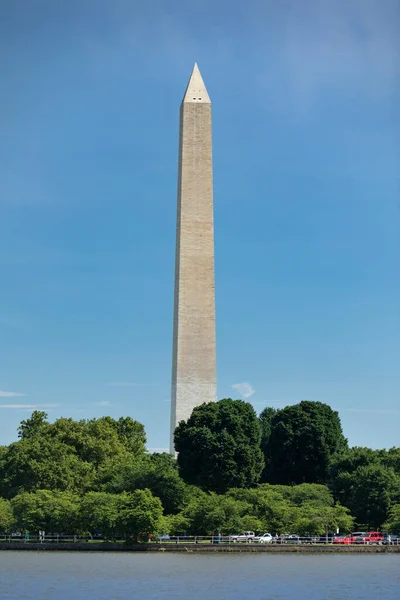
(194, 352)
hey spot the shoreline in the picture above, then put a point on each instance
(199, 548)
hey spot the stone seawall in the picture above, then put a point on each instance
(199, 548)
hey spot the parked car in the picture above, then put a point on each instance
(327, 538)
(265, 538)
(291, 538)
(360, 535)
(164, 537)
(247, 536)
(344, 539)
(373, 537)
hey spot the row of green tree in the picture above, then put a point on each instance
(307, 509)
(286, 470)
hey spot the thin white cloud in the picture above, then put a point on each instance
(245, 389)
(4, 394)
(30, 410)
(102, 403)
(28, 406)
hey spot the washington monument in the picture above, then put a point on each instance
(194, 353)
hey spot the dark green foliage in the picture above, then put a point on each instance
(219, 446)
(98, 513)
(139, 513)
(123, 515)
(41, 463)
(112, 515)
(393, 520)
(209, 514)
(95, 476)
(99, 440)
(301, 444)
(36, 425)
(67, 454)
(265, 418)
(367, 482)
(304, 509)
(51, 511)
(6, 516)
(157, 472)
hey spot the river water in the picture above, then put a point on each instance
(134, 576)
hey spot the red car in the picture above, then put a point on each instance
(373, 537)
(344, 539)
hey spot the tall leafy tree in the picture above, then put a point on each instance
(139, 514)
(392, 523)
(219, 446)
(51, 511)
(98, 513)
(312, 519)
(302, 442)
(157, 472)
(280, 508)
(361, 479)
(68, 454)
(209, 514)
(99, 440)
(265, 419)
(39, 462)
(36, 425)
(6, 516)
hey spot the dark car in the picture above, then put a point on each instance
(327, 538)
(291, 538)
(359, 536)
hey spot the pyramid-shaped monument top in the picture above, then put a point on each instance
(196, 90)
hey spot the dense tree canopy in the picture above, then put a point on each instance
(95, 476)
(212, 513)
(219, 446)
(157, 472)
(99, 513)
(306, 508)
(265, 418)
(67, 454)
(6, 516)
(302, 441)
(365, 481)
(46, 510)
(393, 519)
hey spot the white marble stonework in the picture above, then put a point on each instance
(194, 351)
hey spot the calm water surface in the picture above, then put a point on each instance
(108, 576)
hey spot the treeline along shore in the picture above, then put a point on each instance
(285, 471)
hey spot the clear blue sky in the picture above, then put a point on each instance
(307, 205)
